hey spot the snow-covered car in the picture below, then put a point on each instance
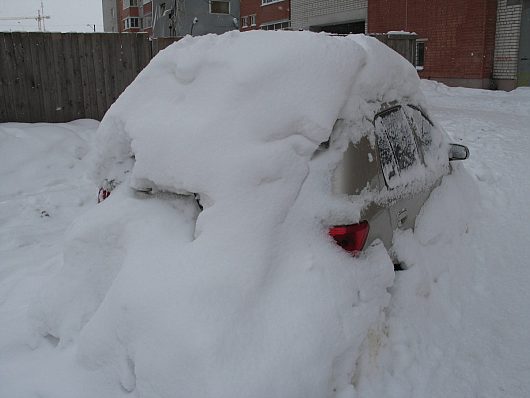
(280, 137)
(393, 167)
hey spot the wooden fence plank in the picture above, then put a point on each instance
(48, 66)
(77, 78)
(69, 78)
(7, 77)
(31, 103)
(21, 92)
(85, 83)
(62, 110)
(107, 72)
(127, 64)
(144, 53)
(42, 62)
(38, 94)
(3, 84)
(114, 54)
(99, 79)
(118, 65)
(92, 83)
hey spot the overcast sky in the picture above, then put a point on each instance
(66, 15)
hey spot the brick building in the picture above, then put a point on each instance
(265, 14)
(456, 40)
(171, 18)
(475, 43)
(128, 16)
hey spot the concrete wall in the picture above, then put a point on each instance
(507, 45)
(308, 14)
(187, 10)
(110, 16)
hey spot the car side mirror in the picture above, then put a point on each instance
(458, 152)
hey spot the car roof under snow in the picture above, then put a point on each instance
(210, 114)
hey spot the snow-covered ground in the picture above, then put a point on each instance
(458, 320)
(456, 324)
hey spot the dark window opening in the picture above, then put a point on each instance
(220, 7)
(420, 54)
(342, 29)
(277, 26)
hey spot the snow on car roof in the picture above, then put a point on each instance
(212, 101)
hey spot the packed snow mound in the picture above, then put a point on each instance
(250, 297)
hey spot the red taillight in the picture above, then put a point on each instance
(351, 238)
(103, 194)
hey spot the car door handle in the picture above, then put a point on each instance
(402, 217)
(524, 59)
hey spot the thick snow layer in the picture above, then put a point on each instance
(134, 297)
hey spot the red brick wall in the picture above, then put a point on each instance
(264, 14)
(132, 12)
(148, 8)
(460, 34)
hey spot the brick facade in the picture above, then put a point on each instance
(142, 11)
(306, 14)
(276, 12)
(507, 44)
(460, 36)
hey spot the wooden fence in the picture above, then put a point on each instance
(402, 43)
(58, 77)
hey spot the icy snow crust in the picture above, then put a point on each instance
(249, 298)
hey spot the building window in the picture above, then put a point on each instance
(130, 3)
(265, 2)
(219, 7)
(253, 20)
(131, 22)
(420, 54)
(244, 22)
(112, 12)
(276, 25)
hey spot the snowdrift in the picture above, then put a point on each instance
(250, 297)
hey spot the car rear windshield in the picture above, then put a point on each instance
(396, 142)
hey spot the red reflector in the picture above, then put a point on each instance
(351, 238)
